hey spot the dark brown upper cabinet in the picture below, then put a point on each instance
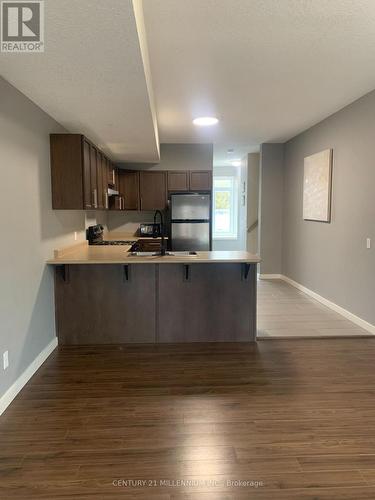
(129, 188)
(105, 166)
(153, 190)
(200, 180)
(113, 176)
(116, 202)
(178, 180)
(79, 173)
(87, 192)
(94, 175)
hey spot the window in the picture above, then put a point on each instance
(225, 209)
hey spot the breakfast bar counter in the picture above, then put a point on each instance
(91, 254)
(106, 295)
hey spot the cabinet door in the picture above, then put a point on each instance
(113, 176)
(178, 181)
(129, 188)
(116, 178)
(100, 173)
(94, 176)
(153, 190)
(110, 173)
(87, 193)
(200, 180)
(116, 202)
(105, 163)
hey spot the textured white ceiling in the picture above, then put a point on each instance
(267, 68)
(93, 76)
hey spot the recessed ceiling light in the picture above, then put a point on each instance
(205, 121)
(236, 163)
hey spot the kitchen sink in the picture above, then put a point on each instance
(167, 254)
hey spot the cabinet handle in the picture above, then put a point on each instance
(113, 176)
(106, 199)
(140, 204)
(95, 198)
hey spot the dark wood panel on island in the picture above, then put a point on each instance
(206, 303)
(105, 304)
(155, 303)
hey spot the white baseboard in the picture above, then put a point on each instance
(270, 276)
(340, 310)
(22, 380)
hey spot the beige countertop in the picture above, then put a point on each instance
(85, 254)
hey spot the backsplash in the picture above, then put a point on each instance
(127, 222)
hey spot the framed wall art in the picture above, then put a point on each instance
(317, 186)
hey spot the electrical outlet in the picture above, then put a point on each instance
(75, 236)
(5, 360)
(368, 243)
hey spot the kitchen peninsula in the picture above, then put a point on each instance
(107, 295)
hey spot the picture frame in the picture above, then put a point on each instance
(317, 186)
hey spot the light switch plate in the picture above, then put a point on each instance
(368, 243)
(5, 360)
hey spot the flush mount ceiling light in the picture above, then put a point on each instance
(236, 163)
(205, 121)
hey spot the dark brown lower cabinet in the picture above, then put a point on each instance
(148, 303)
(150, 244)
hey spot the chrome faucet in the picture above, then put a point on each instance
(162, 246)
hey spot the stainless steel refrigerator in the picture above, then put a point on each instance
(190, 222)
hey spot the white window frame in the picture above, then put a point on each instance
(233, 233)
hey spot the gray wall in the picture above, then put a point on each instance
(253, 160)
(271, 207)
(128, 222)
(332, 259)
(31, 230)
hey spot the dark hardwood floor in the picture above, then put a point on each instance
(293, 419)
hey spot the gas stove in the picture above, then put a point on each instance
(95, 237)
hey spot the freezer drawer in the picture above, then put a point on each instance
(190, 206)
(190, 236)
